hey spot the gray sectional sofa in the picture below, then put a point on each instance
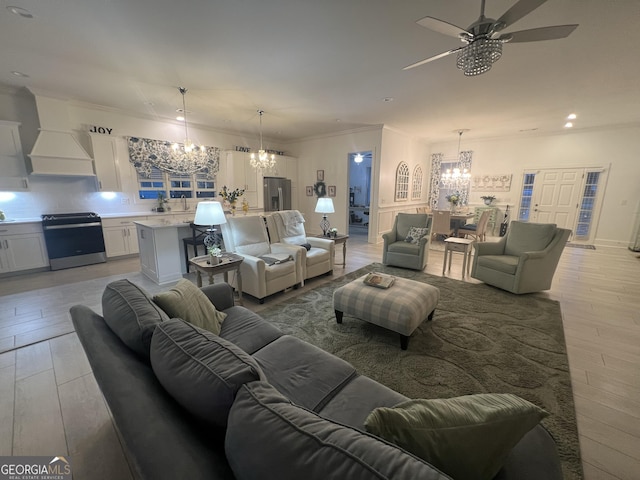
(250, 403)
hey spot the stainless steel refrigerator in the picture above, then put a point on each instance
(277, 194)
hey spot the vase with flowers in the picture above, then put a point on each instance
(454, 200)
(231, 197)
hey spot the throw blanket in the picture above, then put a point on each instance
(291, 219)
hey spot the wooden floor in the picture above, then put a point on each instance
(51, 405)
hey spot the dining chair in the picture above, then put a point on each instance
(477, 231)
(441, 224)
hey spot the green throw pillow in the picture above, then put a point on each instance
(466, 437)
(186, 301)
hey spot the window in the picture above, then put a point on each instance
(587, 204)
(416, 188)
(525, 200)
(152, 186)
(402, 182)
(189, 186)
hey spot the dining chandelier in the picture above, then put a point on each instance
(459, 177)
(263, 160)
(186, 158)
(478, 57)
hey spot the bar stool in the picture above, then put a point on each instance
(197, 238)
(455, 244)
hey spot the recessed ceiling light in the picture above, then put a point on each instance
(20, 74)
(387, 99)
(19, 11)
(180, 118)
(568, 125)
(572, 116)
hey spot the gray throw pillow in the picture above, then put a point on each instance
(200, 370)
(131, 314)
(267, 433)
(466, 437)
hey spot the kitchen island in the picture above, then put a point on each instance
(160, 243)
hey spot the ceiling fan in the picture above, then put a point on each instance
(483, 38)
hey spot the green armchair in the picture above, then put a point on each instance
(524, 260)
(400, 249)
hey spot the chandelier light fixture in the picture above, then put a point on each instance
(457, 178)
(478, 57)
(186, 158)
(263, 160)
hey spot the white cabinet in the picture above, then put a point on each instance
(120, 236)
(22, 247)
(240, 174)
(13, 170)
(106, 163)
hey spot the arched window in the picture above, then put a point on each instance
(402, 182)
(416, 187)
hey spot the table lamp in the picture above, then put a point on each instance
(209, 213)
(324, 206)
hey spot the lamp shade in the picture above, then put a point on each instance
(209, 213)
(324, 205)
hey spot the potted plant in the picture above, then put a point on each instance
(161, 201)
(231, 197)
(215, 252)
(488, 199)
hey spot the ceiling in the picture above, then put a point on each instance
(317, 67)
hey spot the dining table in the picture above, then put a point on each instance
(458, 219)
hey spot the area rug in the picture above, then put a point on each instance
(481, 340)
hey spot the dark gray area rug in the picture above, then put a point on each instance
(481, 340)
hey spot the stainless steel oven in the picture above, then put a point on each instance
(73, 239)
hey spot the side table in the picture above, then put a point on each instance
(228, 262)
(455, 244)
(338, 239)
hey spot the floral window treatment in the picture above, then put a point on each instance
(145, 153)
(436, 171)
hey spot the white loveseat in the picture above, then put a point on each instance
(287, 228)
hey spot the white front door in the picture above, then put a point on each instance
(556, 197)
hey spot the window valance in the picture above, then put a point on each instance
(145, 153)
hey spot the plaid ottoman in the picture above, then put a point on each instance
(400, 308)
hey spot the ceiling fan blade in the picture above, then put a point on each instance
(515, 13)
(443, 27)
(538, 34)
(431, 59)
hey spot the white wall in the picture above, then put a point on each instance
(615, 149)
(330, 153)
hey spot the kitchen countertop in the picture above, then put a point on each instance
(162, 223)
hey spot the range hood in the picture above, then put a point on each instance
(57, 151)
